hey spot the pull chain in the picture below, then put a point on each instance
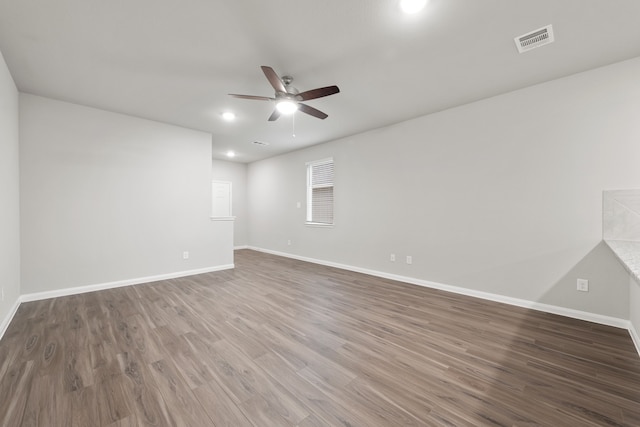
(293, 125)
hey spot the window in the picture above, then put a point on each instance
(320, 192)
(221, 197)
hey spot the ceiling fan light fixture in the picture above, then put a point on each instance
(286, 106)
(412, 6)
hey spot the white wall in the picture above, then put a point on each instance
(236, 173)
(107, 197)
(9, 195)
(501, 196)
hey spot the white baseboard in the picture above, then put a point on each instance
(547, 308)
(110, 285)
(9, 317)
(235, 248)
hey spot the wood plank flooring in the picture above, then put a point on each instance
(278, 342)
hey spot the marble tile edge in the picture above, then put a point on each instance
(629, 259)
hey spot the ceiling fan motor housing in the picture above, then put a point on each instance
(287, 80)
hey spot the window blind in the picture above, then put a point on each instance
(320, 192)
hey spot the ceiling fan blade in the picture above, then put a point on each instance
(259, 98)
(318, 93)
(312, 111)
(274, 116)
(273, 78)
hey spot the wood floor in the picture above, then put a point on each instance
(278, 342)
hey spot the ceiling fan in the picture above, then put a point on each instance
(287, 97)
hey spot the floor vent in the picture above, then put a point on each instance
(535, 39)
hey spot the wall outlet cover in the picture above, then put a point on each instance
(582, 285)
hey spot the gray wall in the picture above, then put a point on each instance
(107, 197)
(236, 173)
(634, 309)
(501, 196)
(9, 194)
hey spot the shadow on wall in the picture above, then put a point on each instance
(608, 293)
(550, 278)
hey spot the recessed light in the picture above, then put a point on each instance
(412, 6)
(228, 116)
(231, 154)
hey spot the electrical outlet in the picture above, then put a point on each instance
(185, 255)
(288, 242)
(409, 259)
(298, 205)
(582, 285)
(392, 257)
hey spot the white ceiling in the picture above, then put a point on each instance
(176, 62)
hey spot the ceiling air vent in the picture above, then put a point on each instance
(260, 143)
(534, 39)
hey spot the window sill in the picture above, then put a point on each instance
(223, 218)
(318, 224)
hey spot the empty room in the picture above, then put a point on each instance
(319, 213)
